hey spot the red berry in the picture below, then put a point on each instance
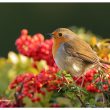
(24, 31)
(55, 105)
(40, 36)
(105, 87)
(91, 88)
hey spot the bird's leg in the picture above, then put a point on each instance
(83, 77)
(96, 65)
(78, 77)
(82, 81)
(74, 76)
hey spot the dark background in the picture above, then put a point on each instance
(45, 17)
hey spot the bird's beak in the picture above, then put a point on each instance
(49, 34)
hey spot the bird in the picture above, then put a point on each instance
(73, 54)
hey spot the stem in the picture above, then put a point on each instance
(18, 101)
(83, 104)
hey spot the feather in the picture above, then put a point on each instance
(79, 48)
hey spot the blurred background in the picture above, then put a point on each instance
(45, 17)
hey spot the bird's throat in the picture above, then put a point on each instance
(56, 45)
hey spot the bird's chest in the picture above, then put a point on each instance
(60, 56)
(67, 62)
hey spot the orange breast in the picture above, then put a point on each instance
(56, 45)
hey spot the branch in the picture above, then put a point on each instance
(18, 101)
(83, 104)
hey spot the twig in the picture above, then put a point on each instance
(18, 101)
(83, 104)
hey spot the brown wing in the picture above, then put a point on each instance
(79, 48)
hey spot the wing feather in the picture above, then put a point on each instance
(81, 49)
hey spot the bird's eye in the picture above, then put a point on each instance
(60, 34)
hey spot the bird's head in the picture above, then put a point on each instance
(62, 35)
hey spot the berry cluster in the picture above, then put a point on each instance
(28, 45)
(88, 77)
(90, 83)
(35, 47)
(26, 85)
(30, 85)
(92, 88)
(4, 103)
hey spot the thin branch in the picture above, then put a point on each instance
(18, 101)
(83, 104)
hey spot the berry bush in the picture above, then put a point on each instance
(30, 78)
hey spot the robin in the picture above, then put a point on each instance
(72, 54)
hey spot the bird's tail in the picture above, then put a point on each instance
(105, 62)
